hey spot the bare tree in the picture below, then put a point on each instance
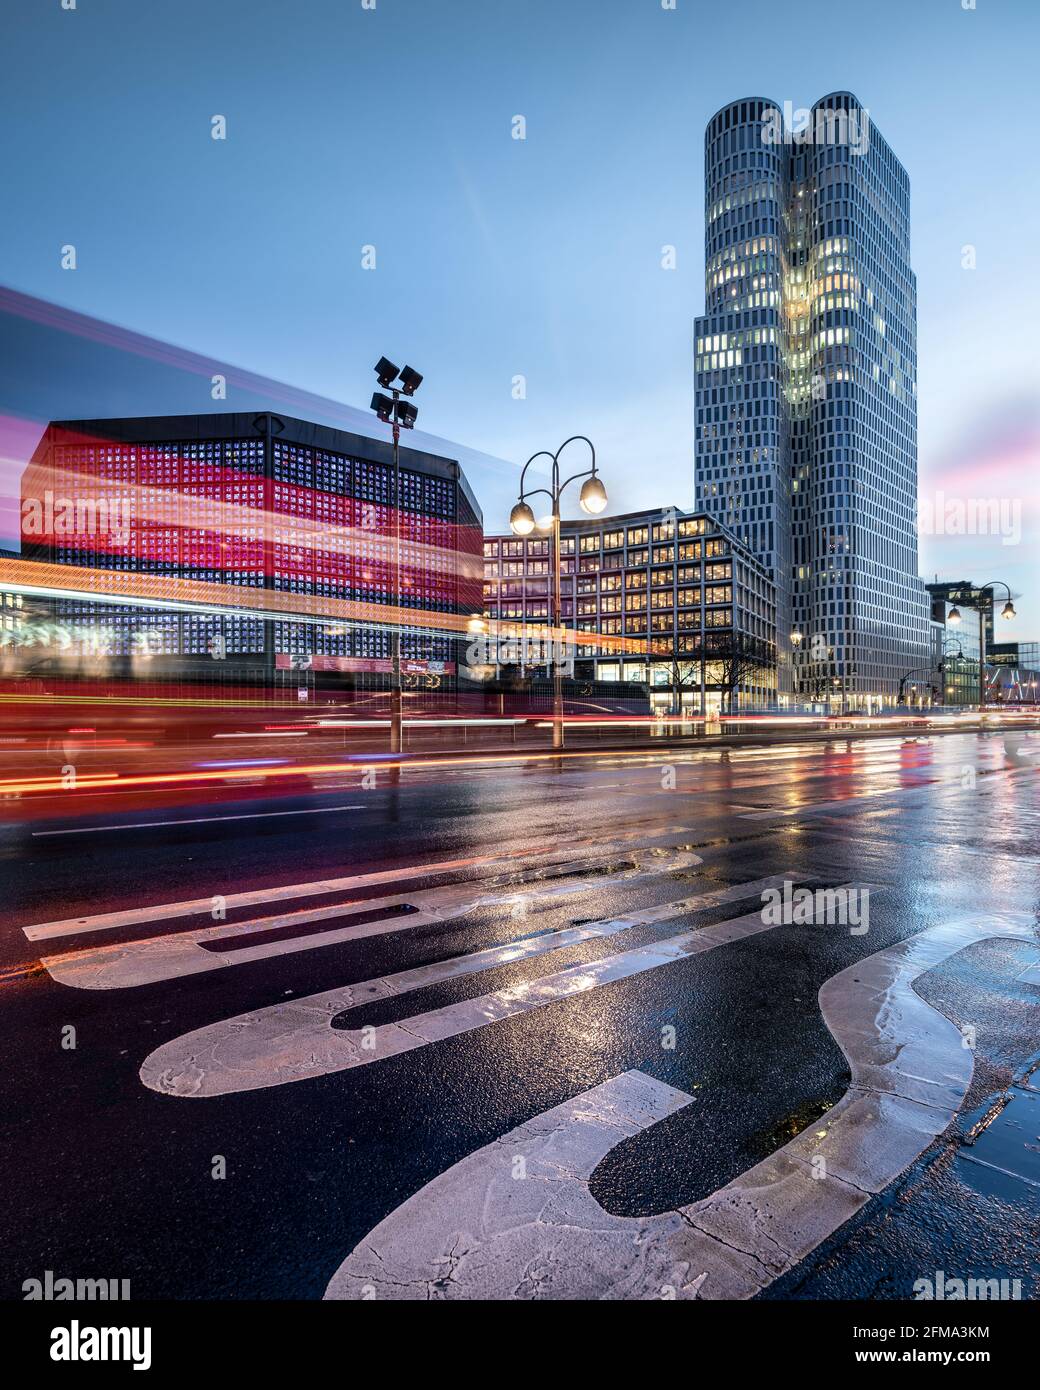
(817, 681)
(684, 673)
(737, 659)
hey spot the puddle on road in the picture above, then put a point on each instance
(723, 840)
(1001, 1153)
(580, 871)
(767, 1141)
(991, 1113)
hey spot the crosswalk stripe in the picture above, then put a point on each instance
(511, 859)
(191, 820)
(293, 1041)
(516, 1219)
(125, 964)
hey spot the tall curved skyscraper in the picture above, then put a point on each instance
(806, 387)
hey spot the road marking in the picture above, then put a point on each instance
(854, 803)
(295, 1040)
(482, 1231)
(109, 921)
(194, 820)
(1030, 975)
(195, 950)
(848, 803)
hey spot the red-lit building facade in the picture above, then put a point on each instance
(264, 541)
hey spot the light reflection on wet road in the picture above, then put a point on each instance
(944, 825)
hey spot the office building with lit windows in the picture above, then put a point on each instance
(676, 586)
(219, 524)
(806, 388)
(16, 614)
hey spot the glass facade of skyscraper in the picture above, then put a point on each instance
(806, 381)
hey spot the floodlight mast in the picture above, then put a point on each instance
(399, 415)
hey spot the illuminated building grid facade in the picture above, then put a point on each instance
(669, 580)
(806, 382)
(263, 502)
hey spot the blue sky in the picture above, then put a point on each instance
(498, 257)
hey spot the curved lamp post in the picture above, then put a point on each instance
(916, 671)
(979, 603)
(593, 499)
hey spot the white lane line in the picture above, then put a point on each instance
(193, 820)
(992, 784)
(146, 961)
(137, 916)
(848, 803)
(293, 1041)
(1030, 975)
(587, 846)
(476, 1216)
(479, 1232)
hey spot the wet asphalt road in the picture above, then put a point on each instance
(110, 1179)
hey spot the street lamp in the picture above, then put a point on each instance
(977, 599)
(593, 496)
(399, 415)
(593, 499)
(411, 380)
(949, 642)
(521, 520)
(796, 642)
(1008, 611)
(917, 670)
